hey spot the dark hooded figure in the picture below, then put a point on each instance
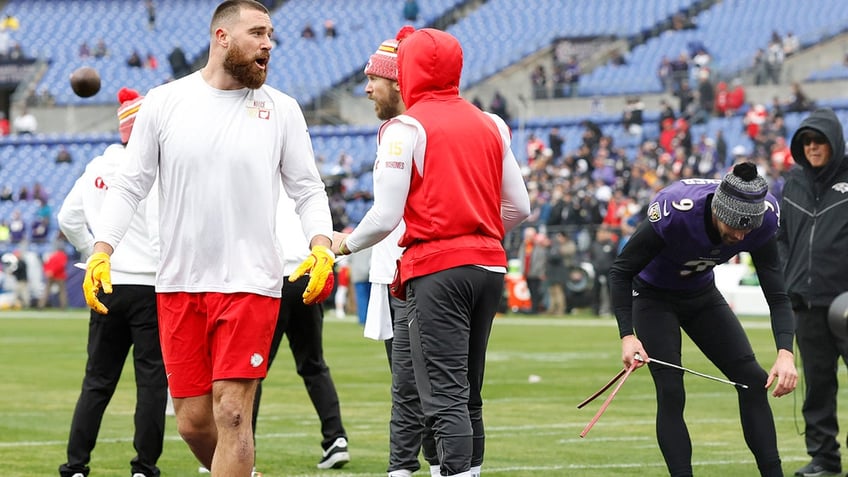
(813, 237)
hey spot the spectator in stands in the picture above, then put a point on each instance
(84, 51)
(555, 143)
(679, 71)
(685, 96)
(664, 75)
(780, 158)
(721, 150)
(632, 118)
(535, 148)
(568, 78)
(498, 106)
(151, 62)
(591, 134)
(132, 319)
(754, 120)
(100, 49)
(602, 255)
(64, 156)
(681, 22)
(330, 28)
(25, 123)
(307, 32)
(55, 275)
(736, 97)
(791, 44)
(798, 100)
(38, 192)
(813, 219)
(534, 259)
(706, 93)
(667, 135)
(561, 257)
(539, 82)
(410, 10)
(760, 68)
(6, 194)
(212, 388)
(774, 61)
(701, 59)
(134, 61)
(5, 126)
(24, 194)
(39, 230)
(722, 98)
(179, 63)
(17, 227)
(151, 14)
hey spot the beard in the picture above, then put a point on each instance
(389, 108)
(242, 67)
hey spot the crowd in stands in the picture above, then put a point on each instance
(596, 187)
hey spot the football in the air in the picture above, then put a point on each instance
(85, 81)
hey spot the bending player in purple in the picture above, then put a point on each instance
(663, 282)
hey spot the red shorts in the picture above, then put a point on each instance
(212, 336)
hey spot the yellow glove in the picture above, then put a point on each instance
(319, 266)
(98, 273)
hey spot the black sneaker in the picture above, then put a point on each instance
(817, 470)
(336, 456)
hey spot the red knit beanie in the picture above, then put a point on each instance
(383, 62)
(130, 101)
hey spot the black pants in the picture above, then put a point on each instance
(450, 319)
(131, 322)
(303, 326)
(820, 353)
(711, 324)
(407, 434)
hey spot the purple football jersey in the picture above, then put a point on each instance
(677, 215)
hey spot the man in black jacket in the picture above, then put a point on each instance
(814, 217)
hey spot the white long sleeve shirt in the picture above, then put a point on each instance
(135, 259)
(404, 140)
(221, 157)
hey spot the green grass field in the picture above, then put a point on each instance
(532, 428)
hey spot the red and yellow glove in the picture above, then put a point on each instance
(319, 266)
(98, 274)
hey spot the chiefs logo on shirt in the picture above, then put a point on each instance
(100, 183)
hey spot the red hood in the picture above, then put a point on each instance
(429, 65)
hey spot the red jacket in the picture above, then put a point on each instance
(453, 210)
(54, 267)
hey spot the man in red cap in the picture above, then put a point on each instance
(452, 178)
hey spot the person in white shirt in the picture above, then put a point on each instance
(303, 326)
(132, 317)
(222, 144)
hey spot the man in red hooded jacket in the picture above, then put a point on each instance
(446, 168)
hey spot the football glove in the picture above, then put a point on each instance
(319, 266)
(98, 275)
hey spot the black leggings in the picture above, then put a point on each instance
(713, 327)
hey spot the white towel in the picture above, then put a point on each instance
(378, 318)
